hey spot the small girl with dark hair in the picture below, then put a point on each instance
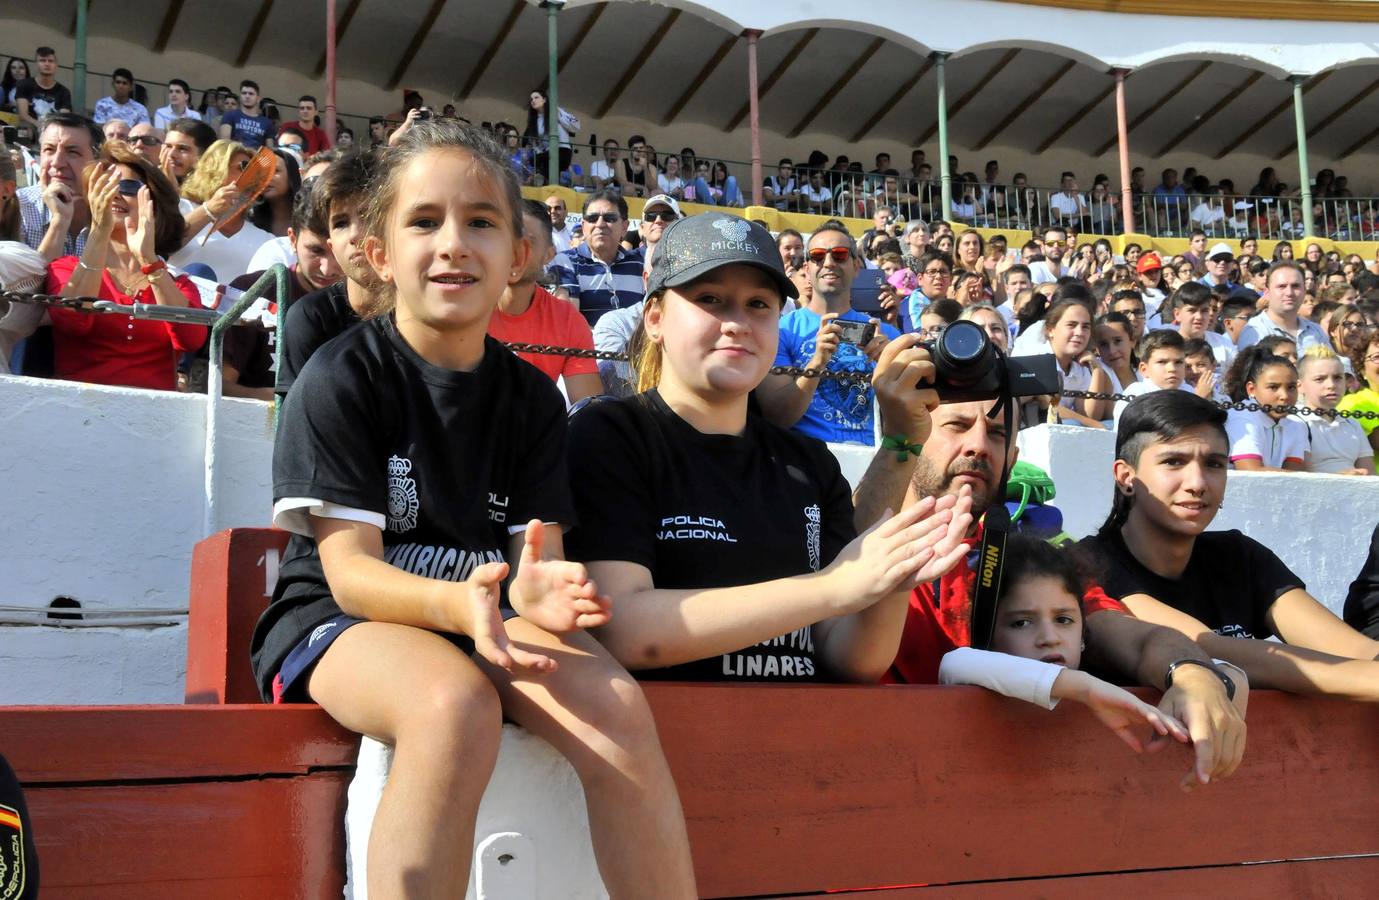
(1037, 644)
(1260, 440)
(423, 596)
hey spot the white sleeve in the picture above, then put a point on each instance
(1296, 440)
(1014, 676)
(293, 514)
(1244, 439)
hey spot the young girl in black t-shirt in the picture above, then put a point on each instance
(422, 599)
(727, 543)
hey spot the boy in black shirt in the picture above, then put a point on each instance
(1222, 589)
(337, 198)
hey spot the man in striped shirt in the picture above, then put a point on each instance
(599, 274)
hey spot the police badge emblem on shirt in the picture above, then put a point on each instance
(14, 869)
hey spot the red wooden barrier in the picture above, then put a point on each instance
(788, 791)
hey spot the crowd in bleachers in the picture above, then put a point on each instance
(428, 476)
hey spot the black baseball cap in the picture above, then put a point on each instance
(692, 247)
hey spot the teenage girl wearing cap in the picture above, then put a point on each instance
(727, 544)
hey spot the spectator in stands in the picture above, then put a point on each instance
(966, 449)
(1191, 305)
(1169, 212)
(1114, 334)
(54, 212)
(781, 190)
(790, 243)
(1068, 326)
(600, 275)
(337, 198)
(528, 313)
(604, 172)
(936, 317)
(291, 139)
(1366, 365)
(1162, 367)
(179, 98)
(344, 138)
(567, 126)
(135, 224)
(561, 226)
(1054, 246)
(228, 251)
(990, 321)
(1129, 302)
(1222, 589)
(1259, 440)
(1284, 292)
(669, 181)
(273, 211)
(43, 94)
(248, 125)
(720, 189)
(825, 409)
(250, 365)
(147, 140)
(121, 104)
(468, 647)
(1349, 333)
(657, 214)
(116, 130)
(1218, 267)
(315, 137)
(1037, 643)
(1068, 205)
(16, 73)
(1209, 214)
(744, 593)
(183, 144)
(1200, 369)
(637, 176)
(1336, 444)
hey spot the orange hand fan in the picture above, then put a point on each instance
(252, 182)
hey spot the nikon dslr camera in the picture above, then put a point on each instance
(970, 367)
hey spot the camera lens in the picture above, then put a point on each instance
(962, 342)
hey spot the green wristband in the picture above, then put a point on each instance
(902, 447)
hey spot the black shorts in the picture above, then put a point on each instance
(289, 685)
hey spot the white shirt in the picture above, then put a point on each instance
(228, 257)
(278, 250)
(1138, 389)
(822, 195)
(1254, 434)
(1336, 443)
(1206, 215)
(669, 185)
(1032, 341)
(1041, 272)
(1067, 204)
(163, 116)
(1077, 378)
(603, 170)
(1116, 386)
(563, 236)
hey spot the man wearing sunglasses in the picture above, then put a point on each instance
(599, 274)
(147, 140)
(657, 215)
(827, 409)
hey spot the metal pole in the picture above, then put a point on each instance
(753, 100)
(552, 102)
(79, 62)
(330, 72)
(1127, 200)
(945, 176)
(1303, 169)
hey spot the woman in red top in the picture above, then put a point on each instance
(134, 223)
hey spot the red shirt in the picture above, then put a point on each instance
(316, 139)
(932, 629)
(549, 320)
(104, 348)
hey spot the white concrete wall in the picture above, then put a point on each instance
(103, 498)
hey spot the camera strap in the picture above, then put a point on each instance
(995, 530)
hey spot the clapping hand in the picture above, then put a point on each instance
(555, 594)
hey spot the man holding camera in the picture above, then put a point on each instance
(839, 340)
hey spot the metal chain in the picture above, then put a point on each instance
(1243, 406)
(86, 304)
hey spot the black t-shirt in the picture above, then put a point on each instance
(1229, 584)
(252, 350)
(1362, 601)
(444, 462)
(312, 321)
(43, 100)
(707, 510)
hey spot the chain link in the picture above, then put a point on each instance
(86, 304)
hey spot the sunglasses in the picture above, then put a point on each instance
(659, 216)
(610, 218)
(129, 187)
(819, 254)
(147, 140)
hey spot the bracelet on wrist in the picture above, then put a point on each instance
(1226, 681)
(81, 264)
(902, 447)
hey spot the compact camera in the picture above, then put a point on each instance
(858, 334)
(969, 367)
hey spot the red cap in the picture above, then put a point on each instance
(1148, 262)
